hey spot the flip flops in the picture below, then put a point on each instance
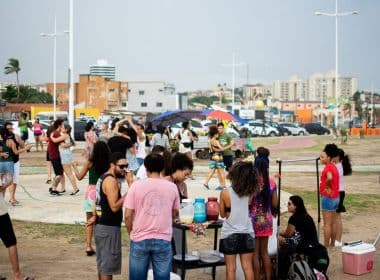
(75, 192)
(14, 203)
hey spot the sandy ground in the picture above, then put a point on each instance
(57, 257)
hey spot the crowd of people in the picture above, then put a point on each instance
(156, 186)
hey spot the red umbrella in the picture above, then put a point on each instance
(221, 115)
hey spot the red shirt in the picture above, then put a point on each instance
(53, 147)
(330, 167)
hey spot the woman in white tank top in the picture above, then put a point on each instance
(237, 236)
(186, 138)
(141, 153)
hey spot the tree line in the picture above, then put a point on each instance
(22, 94)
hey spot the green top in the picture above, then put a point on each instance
(23, 125)
(92, 176)
(6, 149)
(225, 140)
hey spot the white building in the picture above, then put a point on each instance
(154, 97)
(318, 87)
(102, 68)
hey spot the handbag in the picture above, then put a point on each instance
(187, 144)
(294, 240)
(216, 157)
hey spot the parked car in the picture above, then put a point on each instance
(79, 130)
(87, 119)
(294, 128)
(257, 129)
(284, 131)
(316, 128)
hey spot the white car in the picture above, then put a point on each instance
(257, 129)
(294, 128)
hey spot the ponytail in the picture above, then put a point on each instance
(346, 163)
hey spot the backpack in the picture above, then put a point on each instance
(318, 257)
(300, 270)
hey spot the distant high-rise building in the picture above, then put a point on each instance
(318, 87)
(102, 68)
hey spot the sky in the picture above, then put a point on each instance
(190, 43)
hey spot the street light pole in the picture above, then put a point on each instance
(336, 15)
(54, 36)
(71, 66)
(233, 79)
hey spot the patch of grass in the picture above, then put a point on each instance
(72, 233)
(353, 202)
(265, 141)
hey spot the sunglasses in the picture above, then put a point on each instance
(122, 166)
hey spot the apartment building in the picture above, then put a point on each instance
(154, 97)
(102, 68)
(319, 88)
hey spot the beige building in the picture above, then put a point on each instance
(254, 92)
(319, 87)
(99, 92)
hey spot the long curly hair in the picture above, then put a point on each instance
(244, 178)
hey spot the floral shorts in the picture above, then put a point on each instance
(89, 198)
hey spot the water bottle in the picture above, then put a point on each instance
(199, 210)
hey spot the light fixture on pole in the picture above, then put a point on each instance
(233, 65)
(336, 15)
(54, 36)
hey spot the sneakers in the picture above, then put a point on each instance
(338, 244)
(206, 186)
(219, 188)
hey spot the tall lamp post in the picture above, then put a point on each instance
(71, 65)
(54, 36)
(233, 65)
(336, 15)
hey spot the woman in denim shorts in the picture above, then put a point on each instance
(216, 159)
(329, 190)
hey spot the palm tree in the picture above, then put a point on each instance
(13, 66)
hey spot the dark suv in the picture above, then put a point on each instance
(316, 128)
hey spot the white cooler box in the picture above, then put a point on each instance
(358, 259)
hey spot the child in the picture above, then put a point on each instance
(343, 164)
(237, 236)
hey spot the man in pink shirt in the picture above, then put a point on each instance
(151, 205)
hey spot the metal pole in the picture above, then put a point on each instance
(372, 108)
(55, 69)
(233, 83)
(318, 196)
(71, 66)
(296, 160)
(279, 161)
(336, 65)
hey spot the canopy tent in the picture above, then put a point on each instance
(173, 117)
